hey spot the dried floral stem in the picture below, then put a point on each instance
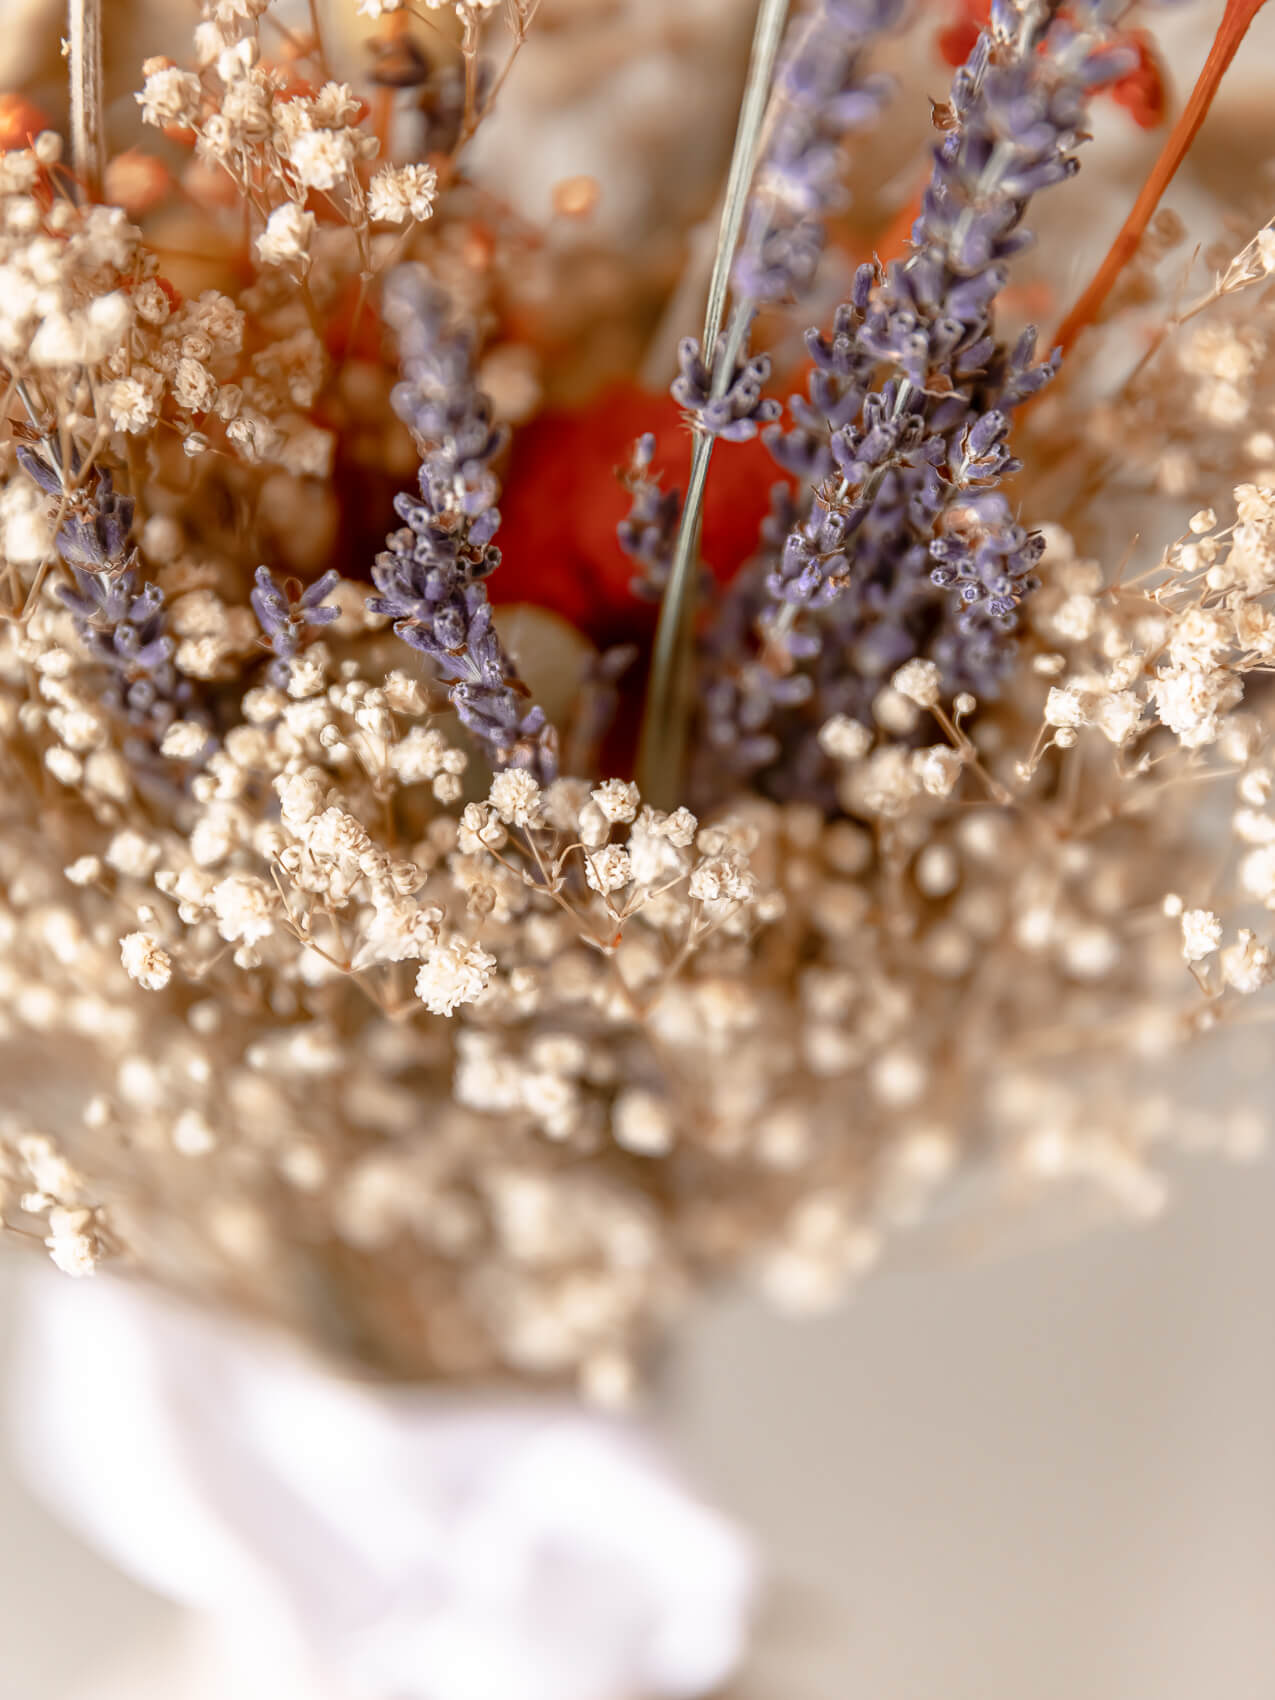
(88, 142)
(664, 726)
(1239, 14)
(316, 30)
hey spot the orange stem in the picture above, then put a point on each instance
(1236, 18)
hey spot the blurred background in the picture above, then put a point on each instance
(1038, 1477)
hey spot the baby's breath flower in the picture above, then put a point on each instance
(287, 236)
(83, 337)
(515, 797)
(185, 740)
(1118, 716)
(719, 879)
(640, 1122)
(169, 95)
(679, 828)
(194, 386)
(1201, 934)
(1247, 965)
(72, 1243)
(1065, 706)
(919, 682)
(844, 739)
(608, 869)
(617, 799)
(401, 192)
(64, 765)
(132, 406)
(132, 854)
(146, 961)
(244, 906)
(1257, 874)
(1191, 701)
(455, 972)
(322, 158)
(938, 768)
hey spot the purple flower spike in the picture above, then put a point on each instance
(284, 618)
(429, 576)
(740, 410)
(821, 96)
(902, 543)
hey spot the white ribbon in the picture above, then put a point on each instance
(411, 1545)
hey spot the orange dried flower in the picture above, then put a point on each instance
(136, 181)
(21, 120)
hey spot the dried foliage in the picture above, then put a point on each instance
(337, 984)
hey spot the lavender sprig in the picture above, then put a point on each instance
(430, 575)
(648, 532)
(733, 410)
(285, 618)
(95, 526)
(121, 627)
(792, 164)
(821, 96)
(903, 545)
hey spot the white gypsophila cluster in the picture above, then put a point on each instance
(1193, 419)
(501, 1071)
(82, 292)
(398, 194)
(563, 1026)
(67, 274)
(146, 961)
(1177, 657)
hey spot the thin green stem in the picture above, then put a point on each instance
(663, 748)
(752, 112)
(662, 752)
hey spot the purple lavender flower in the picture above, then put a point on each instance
(902, 544)
(820, 97)
(94, 531)
(430, 575)
(648, 531)
(120, 626)
(285, 617)
(739, 410)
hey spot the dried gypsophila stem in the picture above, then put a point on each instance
(279, 146)
(1187, 416)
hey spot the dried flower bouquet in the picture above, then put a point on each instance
(463, 984)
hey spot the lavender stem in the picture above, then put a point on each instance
(664, 727)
